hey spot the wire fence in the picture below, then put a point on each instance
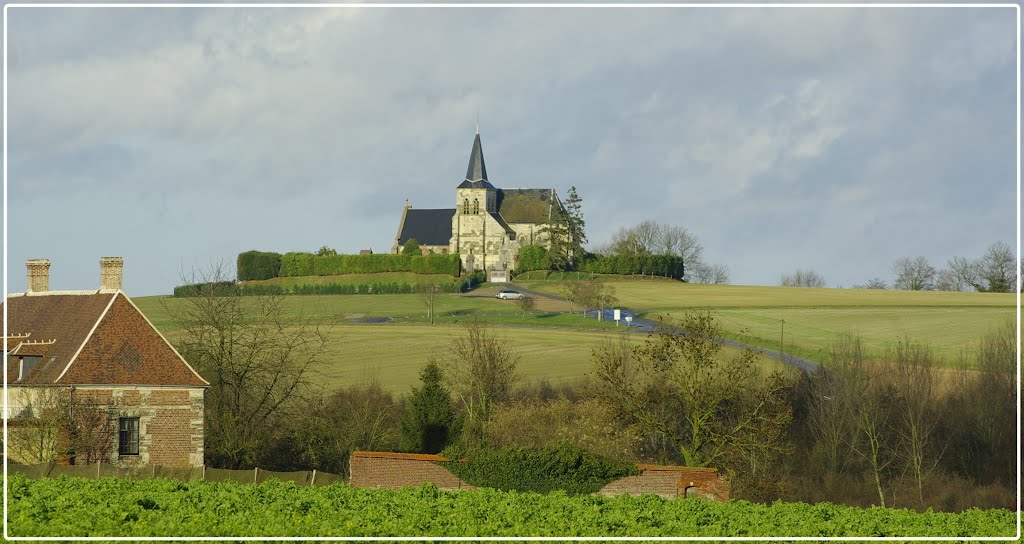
(184, 474)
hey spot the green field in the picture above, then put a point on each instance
(808, 320)
(555, 347)
(110, 507)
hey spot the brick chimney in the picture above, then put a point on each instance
(111, 272)
(38, 275)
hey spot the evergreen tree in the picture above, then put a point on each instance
(411, 247)
(566, 233)
(429, 423)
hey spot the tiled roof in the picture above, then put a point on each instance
(526, 205)
(428, 227)
(98, 338)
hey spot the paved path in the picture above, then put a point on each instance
(646, 326)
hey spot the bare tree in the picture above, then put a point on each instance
(803, 278)
(914, 380)
(39, 433)
(597, 294)
(948, 280)
(997, 269)
(712, 274)
(482, 368)
(963, 273)
(873, 283)
(676, 240)
(913, 274)
(708, 408)
(257, 358)
(429, 294)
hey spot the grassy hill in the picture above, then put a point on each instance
(813, 318)
(553, 346)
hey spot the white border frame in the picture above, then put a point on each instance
(1017, 10)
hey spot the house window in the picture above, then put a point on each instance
(128, 436)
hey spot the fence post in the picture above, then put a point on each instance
(154, 470)
(99, 462)
(255, 474)
(204, 472)
(313, 479)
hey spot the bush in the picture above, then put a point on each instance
(542, 470)
(533, 258)
(258, 265)
(307, 264)
(669, 266)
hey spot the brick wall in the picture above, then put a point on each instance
(170, 422)
(672, 482)
(398, 470)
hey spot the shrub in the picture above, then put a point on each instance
(670, 266)
(258, 265)
(296, 264)
(533, 258)
(541, 470)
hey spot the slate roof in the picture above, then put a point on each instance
(477, 170)
(526, 205)
(99, 338)
(428, 227)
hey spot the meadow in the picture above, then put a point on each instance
(805, 321)
(111, 507)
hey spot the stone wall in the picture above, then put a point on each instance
(398, 470)
(671, 482)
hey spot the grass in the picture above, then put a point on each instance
(809, 320)
(555, 347)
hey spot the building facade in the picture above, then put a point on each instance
(487, 226)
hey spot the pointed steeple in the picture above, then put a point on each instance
(477, 171)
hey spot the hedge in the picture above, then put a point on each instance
(258, 265)
(533, 258)
(670, 266)
(307, 264)
(540, 470)
(385, 288)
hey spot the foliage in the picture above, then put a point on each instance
(162, 507)
(411, 247)
(913, 274)
(704, 409)
(307, 264)
(429, 423)
(669, 266)
(803, 278)
(325, 250)
(564, 234)
(526, 304)
(256, 360)
(532, 257)
(258, 265)
(564, 467)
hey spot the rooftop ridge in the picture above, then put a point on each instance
(69, 292)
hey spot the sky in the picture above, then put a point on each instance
(831, 139)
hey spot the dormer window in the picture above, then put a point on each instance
(25, 365)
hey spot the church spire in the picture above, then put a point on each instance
(476, 171)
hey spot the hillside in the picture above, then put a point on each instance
(808, 320)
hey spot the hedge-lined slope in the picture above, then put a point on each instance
(121, 507)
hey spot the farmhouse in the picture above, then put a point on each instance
(90, 379)
(487, 226)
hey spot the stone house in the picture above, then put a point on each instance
(90, 379)
(487, 226)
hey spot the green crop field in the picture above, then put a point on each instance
(808, 320)
(111, 507)
(555, 347)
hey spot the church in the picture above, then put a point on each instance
(487, 226)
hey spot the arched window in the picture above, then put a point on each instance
(465, 205)
(476, 206)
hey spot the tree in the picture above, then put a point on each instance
(429, 423)
(526, 304)
(326, 251)
(571, 291)
(914, 381)
(576, 226)
(873, 283)
(429, 293)
(565, 233)
(803, 278)
(39, 434)
(482, 368)
(676, 240)
(706, 407)
(996, 270)
(913, 274)
(711, 274)
(411, 247)
(257, 358)
(596, 294)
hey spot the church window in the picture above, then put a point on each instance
(465, 205)
(476, 206)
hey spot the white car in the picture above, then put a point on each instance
(508, 294)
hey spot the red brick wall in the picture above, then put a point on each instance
(398, 470)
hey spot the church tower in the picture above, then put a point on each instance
(475, 203)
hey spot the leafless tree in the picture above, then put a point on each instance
(913, 274)
(913, 376)
(676, 240)
(712, 274)
(997, 269)
(257, 357)
(873, 283)
(429, 294)
(39, 434)
(483, 369)
(803, 278)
